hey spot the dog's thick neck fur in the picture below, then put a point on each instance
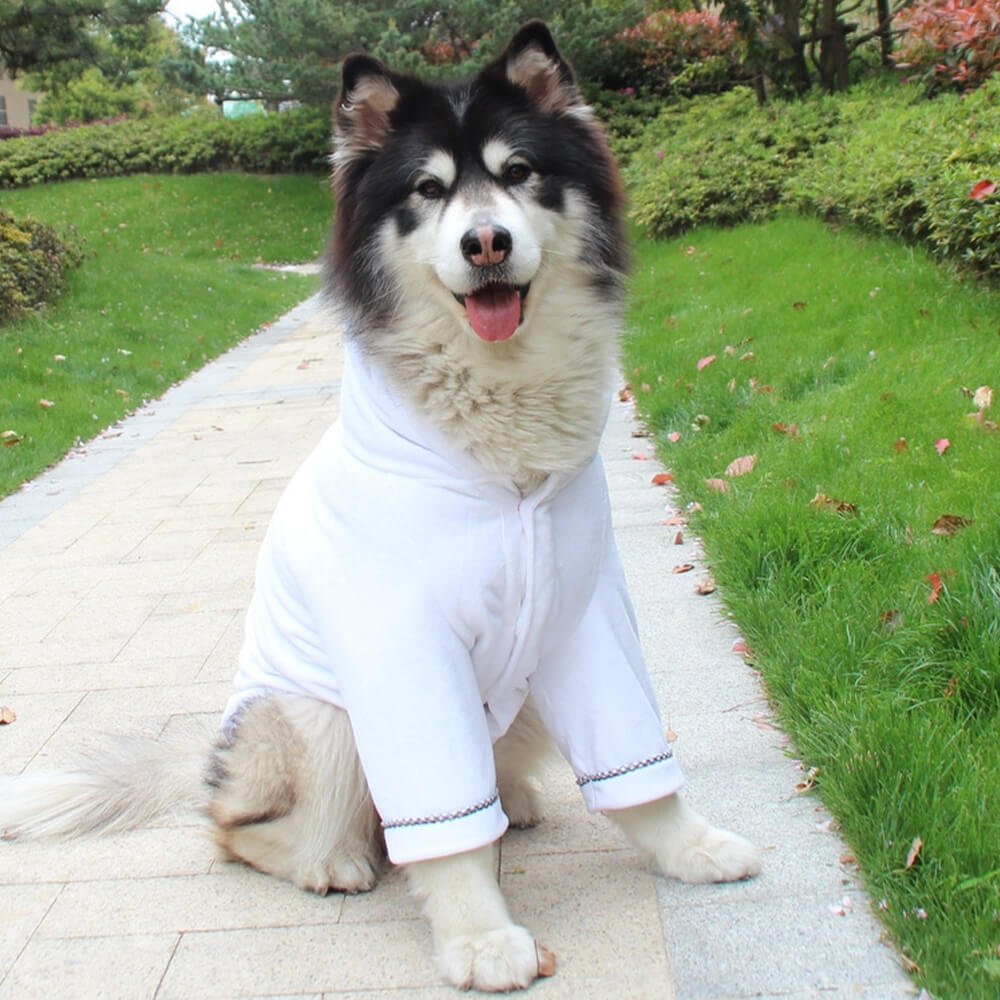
(524, 407)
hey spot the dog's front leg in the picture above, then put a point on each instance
(476, 944)
(684, 845)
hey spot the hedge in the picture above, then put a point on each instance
(881, 156)
(33, 264)
(293, 141)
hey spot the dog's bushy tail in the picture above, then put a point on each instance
(123, 785)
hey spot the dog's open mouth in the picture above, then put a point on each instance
(495, 311)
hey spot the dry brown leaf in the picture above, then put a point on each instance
(683, 568)
(625, 395)
(821, 500)
(706, 586)
(983, 397)
(900, 444)
(908, 964)
(792, 430)
(546, 962)
(7, 715)
(717, 485)
(676, 519)
(947, 524)
(891, 619)
(679, 538)
(741, 466)
(808, 782)
(46, 404)
(913, 853)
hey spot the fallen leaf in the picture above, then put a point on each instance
(821, 500)
(900, 444)
(792, 430)
(676, 519)
(646, 387)
(46, 403)
(799, 306)
(942, 445)
(934, 579)
(640, 432)
(683, 568)
(741, 466)
(910, 966)
(674, 436)
(662, 478)
(740, 646)
(705, 362)
(625, 395)
(717, 485)
(947, 524)
(808, 782)
(983, 397)
(914, 852)
(640, 457)
(842, 908)
(983, 189)
(7, 715)
(679, 538)
(58, 357)
(891, 620)
(952, 687)
(706, 586)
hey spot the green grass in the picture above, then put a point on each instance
(167, 284)
(871, 352)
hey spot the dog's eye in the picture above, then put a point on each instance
(517, 173)
(430, 189)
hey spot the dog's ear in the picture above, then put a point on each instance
(532, 62)
(368, 94)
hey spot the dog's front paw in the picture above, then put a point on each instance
(715, 856)
(495, 961)
(522, 802)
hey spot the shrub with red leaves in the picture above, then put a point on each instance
(684, 52)
(952, 42)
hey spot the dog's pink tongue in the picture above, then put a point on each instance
(494, 312)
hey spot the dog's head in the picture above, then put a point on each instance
(475, 196)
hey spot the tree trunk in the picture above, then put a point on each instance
(885, 31)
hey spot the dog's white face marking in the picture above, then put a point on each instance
(497, 155)
(440, 167)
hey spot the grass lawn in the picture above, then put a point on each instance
(857, 545)
(168, 283)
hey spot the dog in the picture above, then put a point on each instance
(439, 598)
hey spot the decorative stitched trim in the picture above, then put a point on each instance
(586, 779)
(444, 818)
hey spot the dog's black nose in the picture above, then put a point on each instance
(483, 246)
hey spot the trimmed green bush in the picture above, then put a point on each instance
(881, 157)
(293, 141)
(909, 167)
(33, 264)
(722, 160)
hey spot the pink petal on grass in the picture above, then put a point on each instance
(942, 445)
(674, 436)
(982, 190)
(717, 485)
(705, 362)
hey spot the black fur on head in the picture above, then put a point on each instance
(385, 122)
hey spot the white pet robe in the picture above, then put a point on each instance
(402, 581)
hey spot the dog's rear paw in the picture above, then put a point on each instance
(344, 873)
(716, 856)
(496, 961)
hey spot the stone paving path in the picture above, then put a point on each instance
(124, 574)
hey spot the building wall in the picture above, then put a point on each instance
(16, 106)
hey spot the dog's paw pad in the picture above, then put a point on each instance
(495, 962)
(717, 856)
